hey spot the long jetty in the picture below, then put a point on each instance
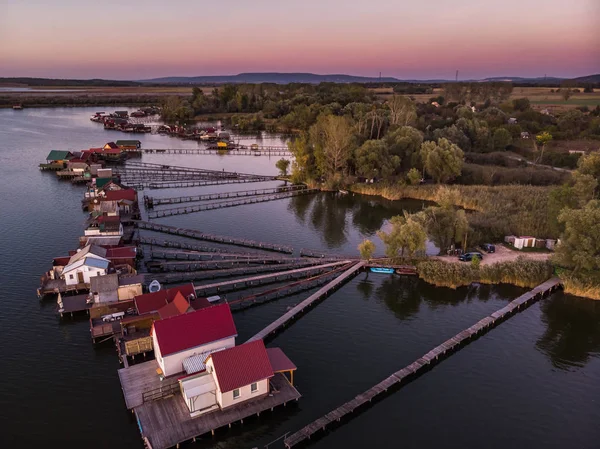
(228, 203)
(258, 280)
(323, 291)
(260, 151)
(220, 196)
(422, 363)
(180, 246)
(198, 235)
(178, 184)
(184, 276)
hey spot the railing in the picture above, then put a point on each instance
(161, 392)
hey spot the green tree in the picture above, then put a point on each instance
(406, 237)
(521, 104)
(413, 177)
(442, 160)
(282, 165)
(501, 139)
(405, 142)
(589, 164)
(539, 143)
(367, 249)
(374, 161)
(303, 167)
(579, 248)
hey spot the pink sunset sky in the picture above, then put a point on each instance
(423, 39)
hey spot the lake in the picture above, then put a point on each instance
(533, 382)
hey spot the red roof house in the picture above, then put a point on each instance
(178, 306)
(151, 302)
(119, 195)
(183, 336)
(241, 366)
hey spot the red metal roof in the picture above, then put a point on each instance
(111, 145)
(112, 151)
(151, 302)
(117, 195)
(177, 307)
(122, 252)
(241, 365)
(194, 329)
(108, 219)
(280, 361)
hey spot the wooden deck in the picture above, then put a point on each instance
(290, 315)
(167, 422)
(141, 378)
(73, 304)
(421, 363)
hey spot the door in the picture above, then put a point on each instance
(80, 277)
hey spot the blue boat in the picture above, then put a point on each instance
(382, 270)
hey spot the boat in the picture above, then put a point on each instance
(383, 270)
(343, 192)
(18, 106)
(154, 286)
(406, 271)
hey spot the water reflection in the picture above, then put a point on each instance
(328, 214)
(572, 330)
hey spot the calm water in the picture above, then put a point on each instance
(532, 382)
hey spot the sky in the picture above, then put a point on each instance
(422, 39)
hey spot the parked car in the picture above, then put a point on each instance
(489, 248)
(467, 257)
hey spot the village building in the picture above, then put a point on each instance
(105, 288)
(81, 271)
(182, 336)
(130, 287)
(105, 226)
(129, 144)
(152, 302)
(520, 242)
(59, 157)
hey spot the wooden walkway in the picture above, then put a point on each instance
(198, 235)
(257, 280)
(167, 422)
(180, 246)
(291, 314)
(261, 151)
(229, 203)
(176, 277)
(151, 202)
(219, 264)
(422, 363)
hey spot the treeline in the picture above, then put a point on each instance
(87, 100)
(68, 82)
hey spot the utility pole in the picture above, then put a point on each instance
(456, 76)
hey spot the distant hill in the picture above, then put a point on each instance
(521, 80)
(277, 78)
(21, 81)
(588, 79)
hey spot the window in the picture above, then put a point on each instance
(236, 393)
(71, 276)
(253, 387)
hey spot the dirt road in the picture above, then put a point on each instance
(502, 254)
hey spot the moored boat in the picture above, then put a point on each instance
(383, 270)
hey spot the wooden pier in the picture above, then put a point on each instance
(151, 202)
(260, 151)
(258, 280)
(140, 185)
(422, 363)
(290, 315)
(198, 235)
(229, 203)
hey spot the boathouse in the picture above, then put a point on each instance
(81, 271)
(130, 287)
(152, 302)
(177, 338)
(105, 225)
(129, 144)
(59, 157)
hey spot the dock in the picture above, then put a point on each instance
(198, 235)
(422, 363)
(260, 151)
(323, 291)
(229, 203)
(151, 202)
(235, 284)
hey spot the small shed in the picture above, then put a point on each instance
(512, 121)
(550, 244)
(524, 242)
(105, 288)
(59, 157)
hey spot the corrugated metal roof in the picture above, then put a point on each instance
(56, 155)
(97, 263)
(241, 365)
(104, 284)
(280, 361)
(197, 362)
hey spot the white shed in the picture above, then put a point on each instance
(524, 242)
(81, 271)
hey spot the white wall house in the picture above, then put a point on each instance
(180, 337)
(232, 376)
(81, 271)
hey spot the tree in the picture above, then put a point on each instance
(402, 110)
(539, 143)
(406, 237)
(501, 139)
(405, 142)
(304, 160)
(442, 160)
(579, 247)
(413, 177)
(589, 164)
(521, 104)
(446, 226)
(374, 161)
(566, 93)
(367, 249)
(282, 165)
(333, 140)
(454, 135)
